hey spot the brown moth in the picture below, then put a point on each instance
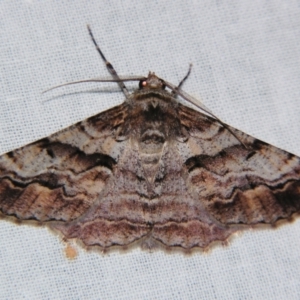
(150, 171)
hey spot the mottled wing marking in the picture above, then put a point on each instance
(236, 185)
(60, 177)
(125, 214)
(150, 171)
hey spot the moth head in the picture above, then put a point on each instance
(152, 82)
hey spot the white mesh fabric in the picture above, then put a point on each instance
(246, 69)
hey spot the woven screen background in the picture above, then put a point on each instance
(246, 69)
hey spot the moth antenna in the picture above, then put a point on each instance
(174, 92)
(127, 78)
(194, 101)
(67, 83)
(109, 66)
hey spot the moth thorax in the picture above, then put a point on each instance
(152, 141)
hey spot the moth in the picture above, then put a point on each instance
(149, 172)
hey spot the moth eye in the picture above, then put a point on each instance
(142, 84)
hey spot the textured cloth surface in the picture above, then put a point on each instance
(246, 69)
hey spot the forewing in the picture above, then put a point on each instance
(258, 183)
(61, 176)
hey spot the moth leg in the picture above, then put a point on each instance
(109, 66)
